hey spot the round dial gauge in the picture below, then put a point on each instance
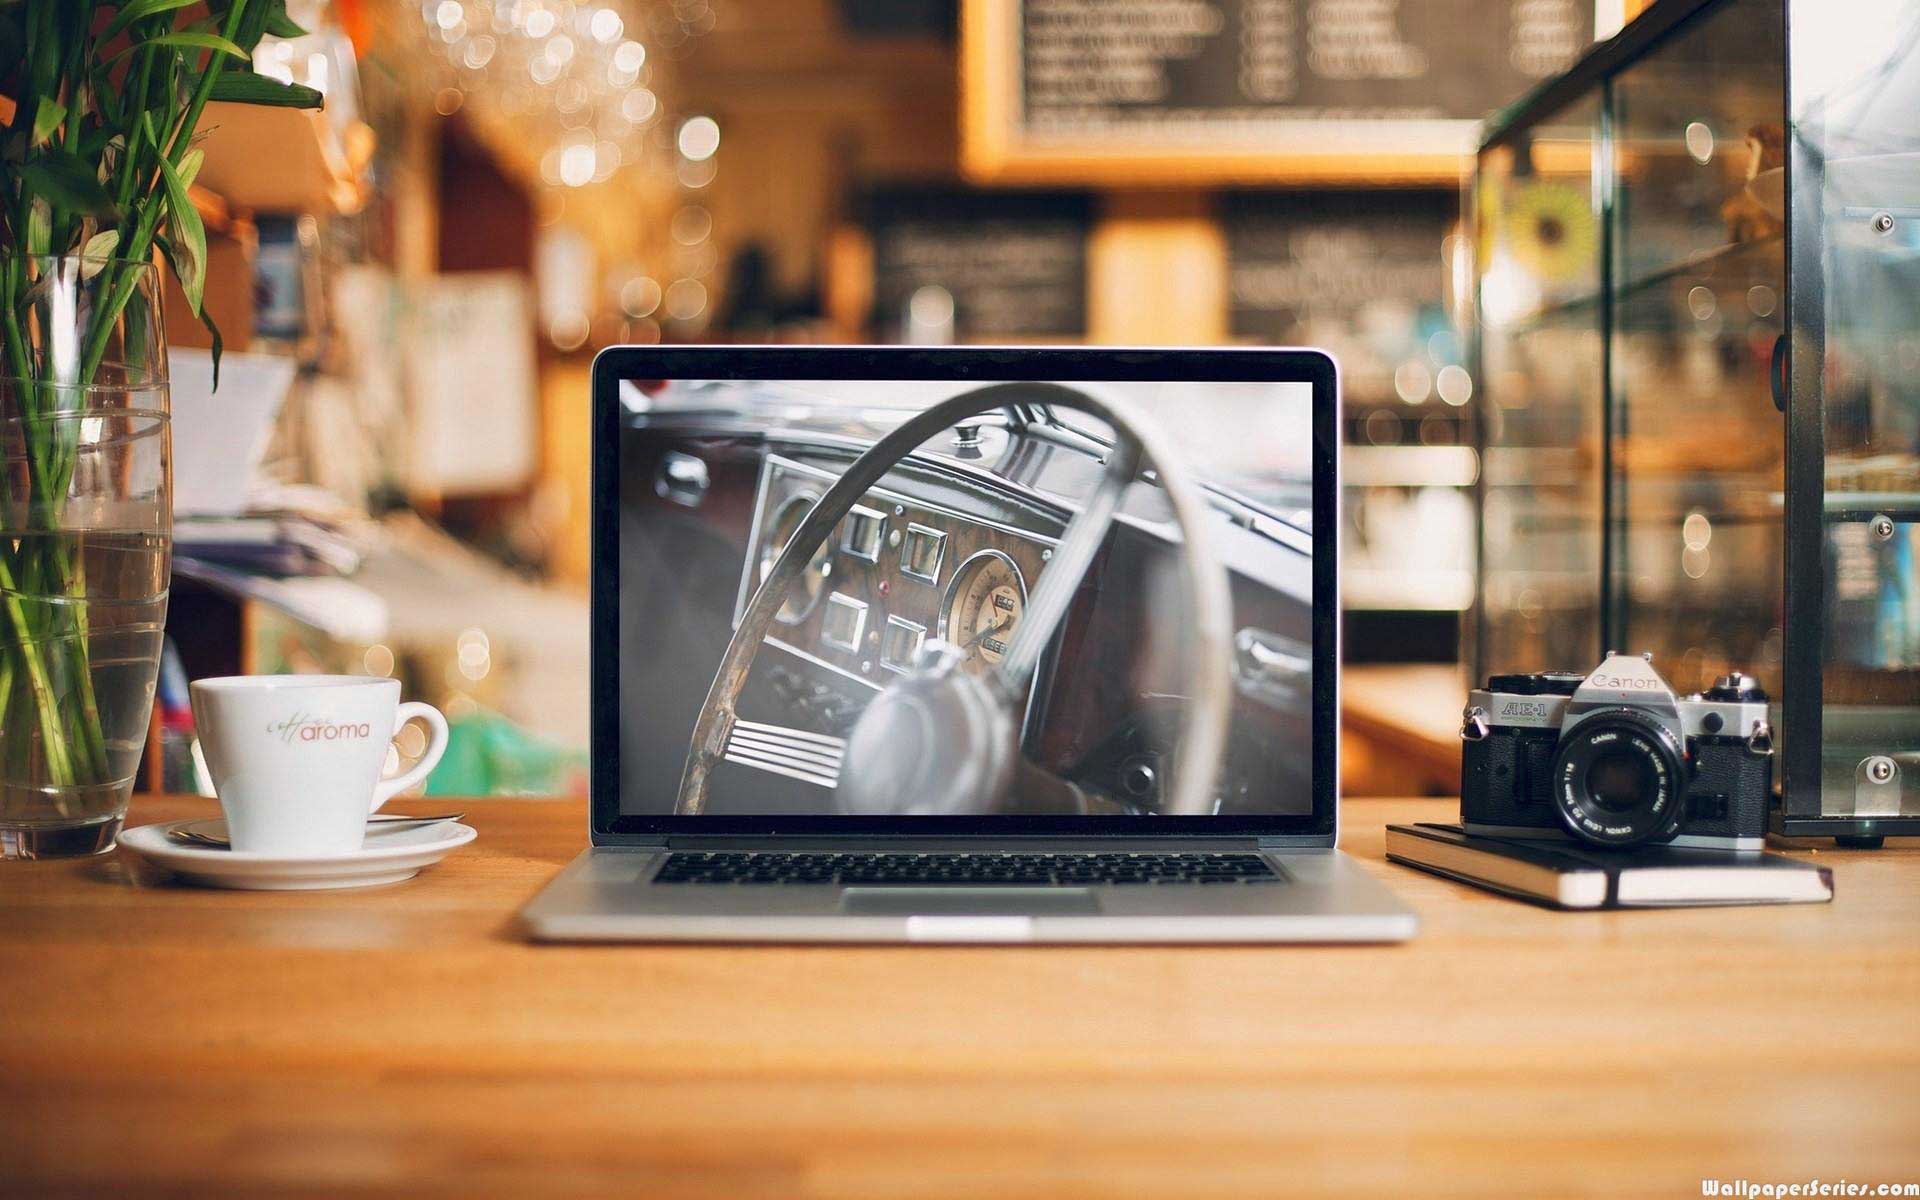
(983, 608)
(805, 592)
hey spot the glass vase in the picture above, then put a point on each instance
(86, 520)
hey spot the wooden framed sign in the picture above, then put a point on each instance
(1361, 274)
(1011, 264)
(1158, 92)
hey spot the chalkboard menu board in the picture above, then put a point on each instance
(1014, 263)
(1360, 274)
(1153, 90)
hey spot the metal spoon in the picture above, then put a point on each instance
(193, 837)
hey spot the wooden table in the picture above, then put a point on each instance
(157, 1039)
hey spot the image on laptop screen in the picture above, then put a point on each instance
(939, 561)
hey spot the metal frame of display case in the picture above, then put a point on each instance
(1810, 510)
(1798, 389)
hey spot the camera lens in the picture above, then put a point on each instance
(1618, 778)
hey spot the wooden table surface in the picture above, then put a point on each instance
(163, 1040)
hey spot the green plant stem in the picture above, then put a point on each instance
(130, 152)
(203, 91)
(17, 709)
(27, 563)
(44, 568)
(6, 679)
(59, 762)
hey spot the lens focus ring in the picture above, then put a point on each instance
(1619, 778)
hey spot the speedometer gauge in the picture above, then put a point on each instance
(805, 592)
(983, 608)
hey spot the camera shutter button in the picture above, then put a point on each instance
(1736, 688)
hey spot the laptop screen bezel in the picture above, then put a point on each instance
(609, 826)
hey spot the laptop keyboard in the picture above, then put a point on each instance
(964, 870)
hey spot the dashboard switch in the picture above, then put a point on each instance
(682, 479)
(1140, 778)
(1272, 668)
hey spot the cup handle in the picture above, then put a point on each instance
(428, 761)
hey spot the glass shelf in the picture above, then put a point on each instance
(1865, 506)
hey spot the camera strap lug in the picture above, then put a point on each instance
(1760, 740)
(1473, 724)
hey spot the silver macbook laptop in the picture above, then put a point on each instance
(965, 645)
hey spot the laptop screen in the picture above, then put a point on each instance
(838, 707)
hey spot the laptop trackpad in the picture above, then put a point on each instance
(969, 902)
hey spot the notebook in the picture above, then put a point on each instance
(1569, 875)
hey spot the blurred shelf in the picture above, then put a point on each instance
(282, 159)
(1397, 589)
(1576, 588)
(1701, 262)
(1558, 458)
(1860, 485)
(1864, 506)
(339, 608)
(1409, 466)
(1587, 304)
(1400, 727)
(1559, 315)
(1847, 683)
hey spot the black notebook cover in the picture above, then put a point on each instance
(1568, 875)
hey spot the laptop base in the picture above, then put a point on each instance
(607, 895)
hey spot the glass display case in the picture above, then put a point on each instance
(1697, 336)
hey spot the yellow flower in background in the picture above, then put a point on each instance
(1549, 229)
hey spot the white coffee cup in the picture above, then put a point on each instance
(296, 759)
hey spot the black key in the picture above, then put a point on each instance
(1078, 870)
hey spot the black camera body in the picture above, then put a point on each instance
(1616, 759)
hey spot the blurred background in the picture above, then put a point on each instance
(392, 477)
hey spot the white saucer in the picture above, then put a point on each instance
(389, 856)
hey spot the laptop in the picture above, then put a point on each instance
(965, 645)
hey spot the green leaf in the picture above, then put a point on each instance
(46, 119)
(66, 182)
(103, 145)
(274, 19)
(138, 10)
(252, 25)
(213, 351)
(206, 318)
(261, 18)
(245, 87)
(280, 25)
(99, 248)
(107, 99)
(189, 240)
(39, 227)
(190, 164)
(189, 41)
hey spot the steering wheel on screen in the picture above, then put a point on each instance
(939, 740)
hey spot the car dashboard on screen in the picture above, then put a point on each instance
(714, 482)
